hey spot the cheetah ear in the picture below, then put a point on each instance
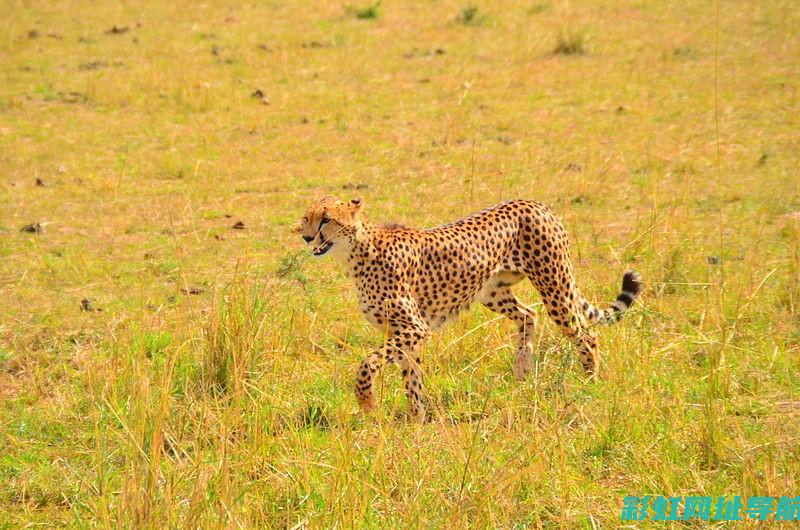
(356, 205)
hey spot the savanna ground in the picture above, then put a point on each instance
(207, 378)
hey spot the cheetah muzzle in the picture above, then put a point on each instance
(322, 249)
(412, 281)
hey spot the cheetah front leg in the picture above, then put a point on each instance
(400, 348)
(408, 332)
(367, 371)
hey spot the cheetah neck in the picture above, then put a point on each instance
(362, 246)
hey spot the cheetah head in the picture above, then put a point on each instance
(331, 224)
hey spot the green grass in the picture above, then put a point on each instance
(234, 406)
(468, 16)
(366, 13)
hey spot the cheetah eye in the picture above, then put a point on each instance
(325, 220)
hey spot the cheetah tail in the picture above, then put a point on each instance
(631, 288)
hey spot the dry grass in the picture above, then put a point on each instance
(233, 406)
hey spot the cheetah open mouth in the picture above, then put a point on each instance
(322, 249)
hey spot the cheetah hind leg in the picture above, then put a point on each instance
(500, 299)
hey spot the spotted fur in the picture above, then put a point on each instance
(411, 282)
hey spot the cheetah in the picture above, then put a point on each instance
(412, 281)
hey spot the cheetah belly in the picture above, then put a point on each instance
(441, 304)
(438, 311)
(497, 281)
(437, 316)
(456, 284)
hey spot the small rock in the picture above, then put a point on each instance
(86, 305)
(40, 182)
(93, 65)
(238, 225)
(713, 260)
(32, 228)
(192, 290)
(355, 186)
(117, 30)
(259, 95)
(416, 52)
(73, 97)
(572, 166)
(33, 34)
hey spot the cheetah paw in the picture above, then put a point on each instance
(367, 403)
(521, 367)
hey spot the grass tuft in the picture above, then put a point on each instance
(234, 339)
(315, 416)
(571, 42)
(155, 344)
(366, 13)
(468, 16)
